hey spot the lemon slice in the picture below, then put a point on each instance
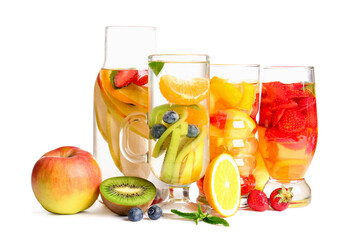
(222, 185)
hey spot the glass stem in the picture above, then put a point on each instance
(179, 194)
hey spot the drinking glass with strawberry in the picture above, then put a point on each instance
(234, 104)
(288, 128)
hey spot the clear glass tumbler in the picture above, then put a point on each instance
(234, 104)
(179, 124)
(288, 128)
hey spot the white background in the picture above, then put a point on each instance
(51, 52)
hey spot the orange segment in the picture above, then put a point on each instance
(198, 117)
(239, 124)
(248, 96)
(222, 185)
(229, 95)
(185, 92)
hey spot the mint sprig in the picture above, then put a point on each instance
(200, 216)
(156, 67)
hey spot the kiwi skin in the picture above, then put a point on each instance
(122, 210)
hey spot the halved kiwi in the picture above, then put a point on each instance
(120, 194)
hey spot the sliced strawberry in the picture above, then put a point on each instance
(304, 103)
(312, 117)
(276, 90)
(292, 121)
(122, 78)
(288, 140)
(276, 117)
(297, 93)
(265, 116)
(218, 119)
(248, 183)
(283, 104)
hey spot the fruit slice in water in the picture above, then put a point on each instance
(186, 169)
(189, 147)
(221, 89)
(185, 92)
(170, 158)
(100, 112)
(183, 113)
(248, 96)
(222, 185)
(120, 194)
(131, 94)
(239, 124)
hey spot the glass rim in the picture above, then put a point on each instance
(289, 67)
(180, 58)
(234, 65)
(130, 27)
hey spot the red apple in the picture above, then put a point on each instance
(66, 180)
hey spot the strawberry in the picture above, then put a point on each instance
(265, 116)
(218, 119)
(297, 93)
(258, 201)
(122, 78)
(288, 140)
(312, 117)
(276, 117)
(248, 183)
(142, 78)
(280, 198)
(276, 90)
(292, 121)
(311, 143)
(307, 102)
(283, 104)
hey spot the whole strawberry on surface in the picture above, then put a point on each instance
(258, 201)
(280, 198)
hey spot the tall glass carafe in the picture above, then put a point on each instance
(121, 88)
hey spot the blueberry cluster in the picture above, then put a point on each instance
(135, 214)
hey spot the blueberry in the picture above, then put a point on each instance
(157, 130)
(135, 214)
(193, 131)
(154, 212)
(170, 117)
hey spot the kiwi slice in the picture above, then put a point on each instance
(120, 194)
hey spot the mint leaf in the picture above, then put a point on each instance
(193, 216)
(156, 67)
(112, 76)
(201, 214)
(215, 220)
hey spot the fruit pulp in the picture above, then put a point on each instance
(233, 110)
(118, 93)
(179, 156)
(288, 128)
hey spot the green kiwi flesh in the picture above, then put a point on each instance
(120, 194)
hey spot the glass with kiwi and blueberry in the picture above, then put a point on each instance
(178, 123)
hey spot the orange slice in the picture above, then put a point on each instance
(225, 91)
(248, 96)
(239, 124)
(198, 117)
(222, 185)
(185, 92)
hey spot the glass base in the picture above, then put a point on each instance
(179, 200)
(301, 191)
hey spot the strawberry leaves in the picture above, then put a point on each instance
(200, 216)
